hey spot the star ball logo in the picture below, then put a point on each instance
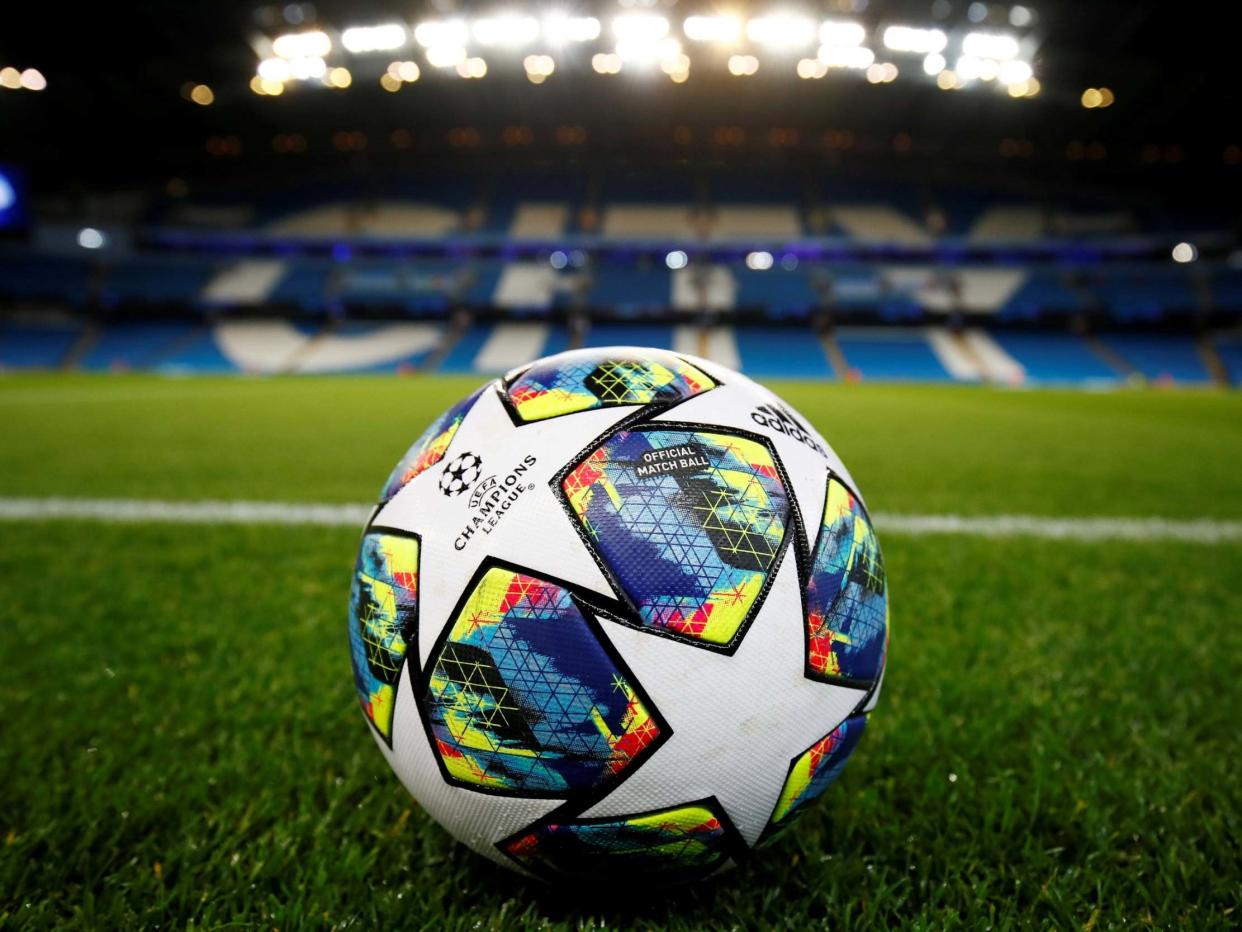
(460, 473)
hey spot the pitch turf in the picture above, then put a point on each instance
(1057, 743)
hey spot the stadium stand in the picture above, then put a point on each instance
(156, 281)
(538, 221)
(1229, 348)
(1145, 294)
(511, 344)
(642, 334)
(890, 354)
(303, 286)
(704, 287)
(500, 255)
(247, 282)
(198, 353)
(630, 290)
(1226, 290)
(521, 286)
(781, 352)
(28, 276)
(132, 345)
(751, 222)
(387, 219)
(355, 346)
(416, 286)
(1008, 223)
(1161, 356)
(1054, 358)
(879, 223)
(671, 222)
(465, 349)
(781, 292)
(1040, 294)
(35, 344)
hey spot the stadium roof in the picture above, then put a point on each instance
(120, 102)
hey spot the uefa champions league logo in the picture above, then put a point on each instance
(460, 474)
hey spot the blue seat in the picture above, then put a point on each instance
(132, 345)
(630, 290)
(779, 292)
(1160, 356)
(891, 356)
(1229, 349)
(1054, 357)
(1043, 292)
(304, 285)
(1145, 295)
(636, 334)
(35, 345)
(45, 278)
(782, 352)
(460, 357)
(156, 281)
(199, 354)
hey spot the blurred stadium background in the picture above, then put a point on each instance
(927, 191)
(848, 199)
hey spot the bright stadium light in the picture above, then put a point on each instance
(968, 67)
(725, 30)
(32, 79)
(10, 78)
(1014, 72)
(274, 69)
(676, 259)
(445, 56)
(606, 63)
(405, 71)
(1185, 252)
(911, 39)
(759, 261)
(997, 46)
(302, 44)
(647, 51)
(441, 32)
(639, 27)
(810, 69)
(934, 63)
(741, 66)
(506, 29)
(881, 73)
(781, 31)
(90, 238)
(382, 38)
(558, 28)
(306, 68)
(836, 32)
(472, 68)
(858, 58)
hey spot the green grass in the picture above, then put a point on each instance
(1057, 743)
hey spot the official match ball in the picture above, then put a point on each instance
(621, 613)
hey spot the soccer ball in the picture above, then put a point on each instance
(621, 612)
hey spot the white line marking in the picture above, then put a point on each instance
(1201, 530)
(206, 512)
(1198, 530)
